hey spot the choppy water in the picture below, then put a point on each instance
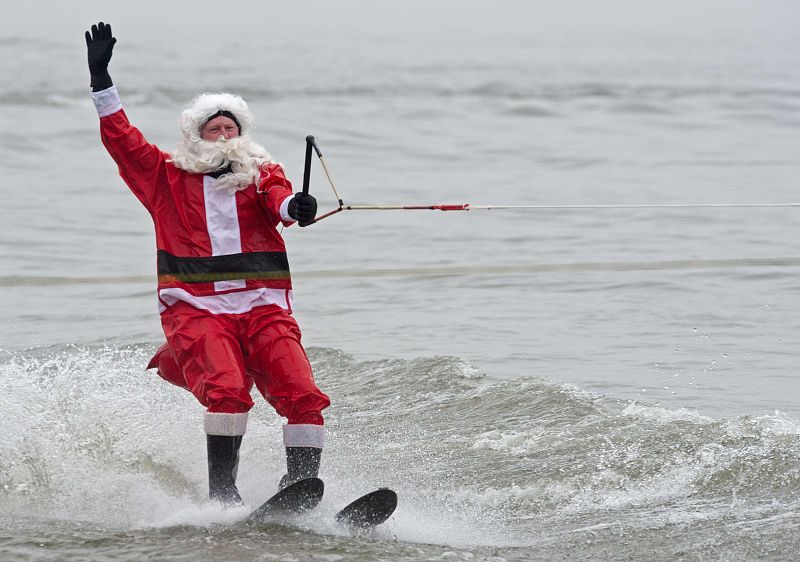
(538, 385)
(503, 469)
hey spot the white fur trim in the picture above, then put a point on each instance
(222, 221)
(285, 209)
(237, 302)
(218, 423)
(107, 101)
(206, 105)
(303, 435)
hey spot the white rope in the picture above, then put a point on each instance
(635, 206)
(469, 207)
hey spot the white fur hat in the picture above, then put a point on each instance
(205, 105)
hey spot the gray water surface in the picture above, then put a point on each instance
(542, 384)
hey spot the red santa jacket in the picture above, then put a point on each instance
(216, 251)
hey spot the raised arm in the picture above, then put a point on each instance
(139, 161)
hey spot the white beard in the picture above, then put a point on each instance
(244, 156)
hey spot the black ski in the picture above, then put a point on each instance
(369, 510)
(296, 498)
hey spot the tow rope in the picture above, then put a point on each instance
(311, 144)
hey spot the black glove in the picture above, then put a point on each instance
(100, 44)
(303, 208)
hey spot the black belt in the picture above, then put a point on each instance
(252, 265)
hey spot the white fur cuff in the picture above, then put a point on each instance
(303, 435)
(216, 423)
(107, 101)
(285, 209)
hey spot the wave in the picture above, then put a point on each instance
(774, 264)
(518, 97)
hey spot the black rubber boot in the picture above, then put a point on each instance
(301, 462)
(223, 463)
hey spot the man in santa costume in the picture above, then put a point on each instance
(224, 289)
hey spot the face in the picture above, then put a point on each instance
(219, 127)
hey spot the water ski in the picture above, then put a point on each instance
(301, 496)
(369, 510)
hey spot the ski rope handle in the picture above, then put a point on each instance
(311, 143)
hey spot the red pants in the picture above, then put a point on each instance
(218, 357)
